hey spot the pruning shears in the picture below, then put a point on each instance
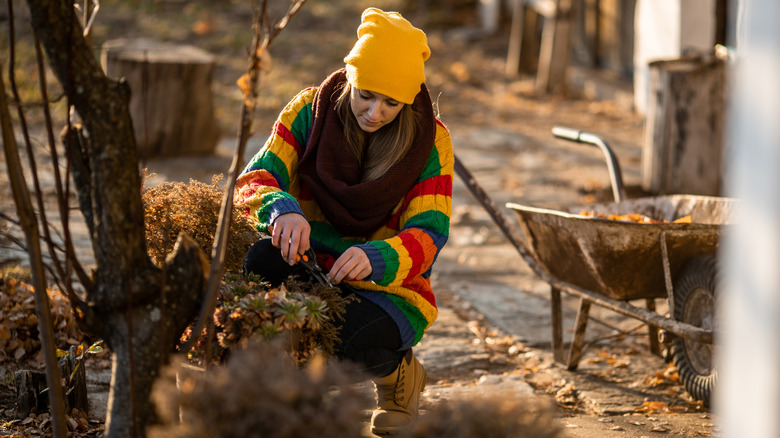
(309, 261)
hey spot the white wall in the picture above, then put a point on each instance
(665, 29)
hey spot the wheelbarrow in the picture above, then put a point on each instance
(609, 262)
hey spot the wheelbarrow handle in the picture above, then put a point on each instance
(615, 175)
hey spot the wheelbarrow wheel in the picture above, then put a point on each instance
(694, 303)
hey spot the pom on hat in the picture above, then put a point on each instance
(389, 56)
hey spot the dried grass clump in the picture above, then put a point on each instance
(260, 392)
(504, 415)
(193, 208)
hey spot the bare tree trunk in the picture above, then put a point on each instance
(137, 308)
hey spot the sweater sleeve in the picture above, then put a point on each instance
(423, 220)
(268, 185)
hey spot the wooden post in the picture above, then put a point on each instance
(683, 144)
(515, 38)
(171, 102)
(554, 52)
(524, 40)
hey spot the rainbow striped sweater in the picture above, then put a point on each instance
(402, 252)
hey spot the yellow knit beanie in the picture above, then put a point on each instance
(389, 56)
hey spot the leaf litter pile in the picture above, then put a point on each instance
(20, 348)
(19, 340)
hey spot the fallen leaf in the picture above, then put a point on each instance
(653, 407)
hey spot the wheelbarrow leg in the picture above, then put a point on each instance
(557, 324)
(575, 352)
(655, 348)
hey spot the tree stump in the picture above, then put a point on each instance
(684, 136)
(31, 388)
(30, 394)
(171, 101)
(73, 370)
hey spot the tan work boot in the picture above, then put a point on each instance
(398, 396)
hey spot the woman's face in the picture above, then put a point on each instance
(373, 110)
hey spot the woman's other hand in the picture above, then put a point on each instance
(290, 233)
(352, 265)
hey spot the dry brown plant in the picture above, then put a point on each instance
(261, 392)
(174, 207)
(302, 313)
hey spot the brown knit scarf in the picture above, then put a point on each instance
(332, 173)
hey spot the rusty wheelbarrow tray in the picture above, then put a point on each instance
(609, 263)
(624, 260)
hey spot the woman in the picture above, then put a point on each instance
(360, 170)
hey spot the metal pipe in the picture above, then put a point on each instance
(615, 175)
(680, 329)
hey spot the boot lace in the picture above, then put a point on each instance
(393, 392)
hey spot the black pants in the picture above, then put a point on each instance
(368, 335)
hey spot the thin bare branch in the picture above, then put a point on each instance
(62, 275)
(71, 261)
(17, 244)
(30, 226)
(261, 40)
(57, 180)
(90, 12)
(281, 24)
(11, 238)
(36, 104)
(20, 114)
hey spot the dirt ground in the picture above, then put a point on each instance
(501, 130)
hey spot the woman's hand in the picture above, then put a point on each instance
(352, 265)
(290, 233)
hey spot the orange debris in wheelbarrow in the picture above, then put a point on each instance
(634, 217)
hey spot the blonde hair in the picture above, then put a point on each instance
(385, 147)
